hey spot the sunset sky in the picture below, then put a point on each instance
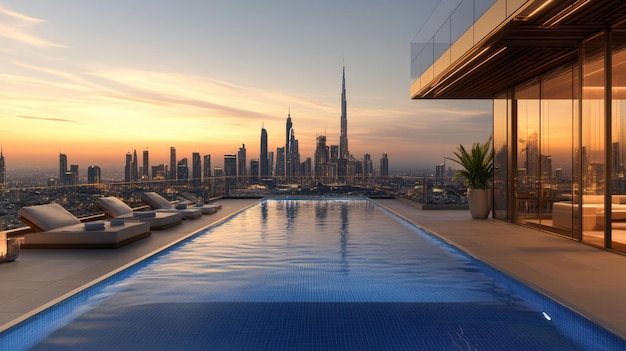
(97, 79)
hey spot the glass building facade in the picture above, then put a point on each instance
(556, 73)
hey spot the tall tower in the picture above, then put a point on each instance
(263, 160)
(62, 167)
(343, 140)
(128, 168)
(173, 166)
(3, 171)
(241, 164)
(135, 175)
(288, 129)
(196, 167)
(145, 172)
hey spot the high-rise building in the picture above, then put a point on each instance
(368, 166)
(280, 163)
(145, 170)
(93, 175)
(196, 167)
(292, 153)
(135, 166)
(254, 170)
(241, 164)
(334, 163)
(230, 165)
(173, 166)
(207, 167)
(263, 160)
(321, 157)
(182, 170)
(343, 139)
(159, 172)
(344, 154)
(384, 167)
(128, 168)
(72, 175)
(3, 171)
(270, 163)
(288, 141)
(62, 167)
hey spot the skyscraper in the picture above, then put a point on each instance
(93, 175)
(280, 163)
(263, 160)
(62, 167)
(270, 163)
(241, 164)
(3, 171)
(182, 170)
(196, 167)
(254, 170)
(292, 154)
(173, 167)
(145, 171)
(344, 154)
(287, 152)
(343, 140)
(321, 157)
(72, 175)
(384, 167)
(230, 165)
(135, 167)
(207, 167)
(128, 168)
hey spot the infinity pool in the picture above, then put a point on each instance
(311, 275)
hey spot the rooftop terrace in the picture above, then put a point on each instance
(580, 277)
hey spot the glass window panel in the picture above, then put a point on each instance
(556, 155)
(593, 148)
(527, 182)
(501, 115)
(618, 141)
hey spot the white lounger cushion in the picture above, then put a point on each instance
(117, 208)
(159, 203)
(48, 217)
(77, 235)
(155, 200)
(113, 206)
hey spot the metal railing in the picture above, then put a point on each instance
(79, 199)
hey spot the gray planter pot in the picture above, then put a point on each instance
(479, 201)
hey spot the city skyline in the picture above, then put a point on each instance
(106, 79)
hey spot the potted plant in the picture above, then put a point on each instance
(477, 173)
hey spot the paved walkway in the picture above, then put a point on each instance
(586, 279)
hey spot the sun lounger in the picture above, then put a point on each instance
(159, 203)
(116, 208)
(55, 227)
(194, 202)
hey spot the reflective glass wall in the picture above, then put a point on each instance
(593, 136)
(564, 137)
(618, 140)
(501, 130)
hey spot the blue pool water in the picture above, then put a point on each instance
(310, 275)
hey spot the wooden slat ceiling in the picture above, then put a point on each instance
(527, 48)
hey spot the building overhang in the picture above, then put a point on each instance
(539, 37)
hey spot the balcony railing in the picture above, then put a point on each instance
(448, 22)
(427, 192)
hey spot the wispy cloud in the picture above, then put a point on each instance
(50, 119)
(18, 27)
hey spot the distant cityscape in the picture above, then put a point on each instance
(331, 171)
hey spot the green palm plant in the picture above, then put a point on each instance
(477, 165)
